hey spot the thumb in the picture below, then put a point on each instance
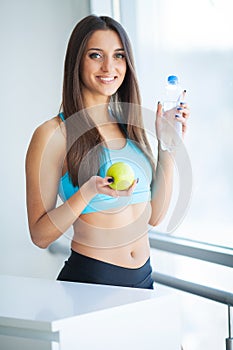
(183, 96)
(159, 109)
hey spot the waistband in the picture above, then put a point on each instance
(81, 268)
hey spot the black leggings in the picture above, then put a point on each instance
(80, 268)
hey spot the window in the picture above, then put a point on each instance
(193, 39)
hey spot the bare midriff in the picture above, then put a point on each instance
(118, 236)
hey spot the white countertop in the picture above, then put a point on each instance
(42, 314)
(49, 303)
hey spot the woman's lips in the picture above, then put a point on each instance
(106, 80)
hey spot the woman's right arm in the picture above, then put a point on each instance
(44, 162)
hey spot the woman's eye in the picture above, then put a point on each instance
(95, 55)
(119, 55)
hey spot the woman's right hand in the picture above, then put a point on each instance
(100, 185)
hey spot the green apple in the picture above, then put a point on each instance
(122, 174)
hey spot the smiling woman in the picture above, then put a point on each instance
(103, 67)
(100, 124)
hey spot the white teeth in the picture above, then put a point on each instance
(107, 79)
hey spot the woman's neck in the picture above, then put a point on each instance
(99, 113)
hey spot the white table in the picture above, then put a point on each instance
(38, 314)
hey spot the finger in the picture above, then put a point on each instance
(183, 110)
(109, 180)
(109, 191)
(183, 97)
(185, 113)
(132, 187)
(106, 181)
(159, 111)
(103, 187)
(128, 192)
(180, 118)
(184, 128)
(134, 184)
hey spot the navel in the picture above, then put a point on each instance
(132, 254)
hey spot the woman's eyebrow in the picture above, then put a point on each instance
(98, 49)
(95, 49)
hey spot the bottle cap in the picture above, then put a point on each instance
(172, 79)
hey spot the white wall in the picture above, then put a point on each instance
(34, 35)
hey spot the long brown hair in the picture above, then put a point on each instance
(83, 138)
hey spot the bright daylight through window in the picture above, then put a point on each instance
(199, 49)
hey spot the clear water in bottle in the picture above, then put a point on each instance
(171, 131)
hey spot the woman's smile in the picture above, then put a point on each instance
(107, 80)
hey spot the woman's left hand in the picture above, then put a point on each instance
(180, 113)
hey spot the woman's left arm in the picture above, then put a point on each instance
(162, 185)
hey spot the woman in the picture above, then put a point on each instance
(100, 124)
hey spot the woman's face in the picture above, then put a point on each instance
(103, 66)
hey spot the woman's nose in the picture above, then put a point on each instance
(107, 64)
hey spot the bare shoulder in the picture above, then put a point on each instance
(51, 133)
(52, 127)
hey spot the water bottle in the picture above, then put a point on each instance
(171, 131)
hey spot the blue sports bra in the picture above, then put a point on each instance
(130, 154)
